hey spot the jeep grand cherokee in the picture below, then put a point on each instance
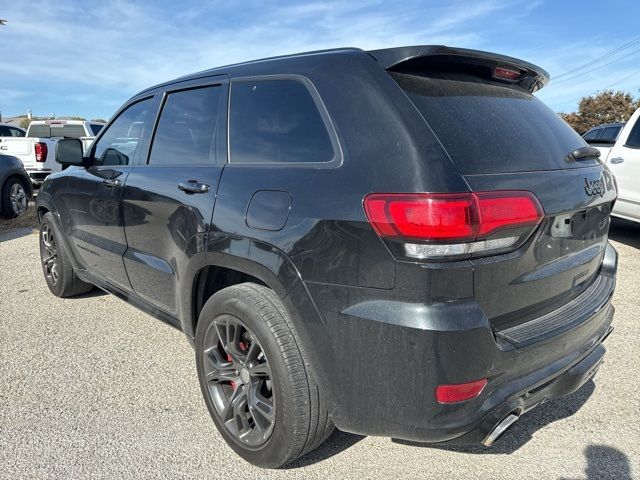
(395, 242)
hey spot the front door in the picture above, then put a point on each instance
(92, 198)
(168, 201)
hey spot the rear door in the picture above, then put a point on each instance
(169, 199)
(624, 162)
(500, 137)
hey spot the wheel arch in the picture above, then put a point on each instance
(212, 271)
(307, 323)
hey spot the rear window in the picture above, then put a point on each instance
(187, 128)
(56, 130)
(489, 128)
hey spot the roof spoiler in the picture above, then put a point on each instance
(532, 77)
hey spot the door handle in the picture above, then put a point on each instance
(112, 182)
(616, 160)
(193, 186)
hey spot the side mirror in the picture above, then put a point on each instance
(69, 152)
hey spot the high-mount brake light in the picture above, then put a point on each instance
(507, 73)
(437, 224)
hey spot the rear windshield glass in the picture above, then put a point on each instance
(57, 130)
(488, 128)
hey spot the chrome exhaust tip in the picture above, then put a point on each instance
(499, 429)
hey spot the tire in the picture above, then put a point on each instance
(251, 317)
(14, 198)
(58, 272)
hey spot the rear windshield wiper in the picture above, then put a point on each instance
(583, 153)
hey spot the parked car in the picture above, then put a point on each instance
(603, 137)
(348, 240)
(11, 131)
(622, 156)
(15, 187)
(36, 151)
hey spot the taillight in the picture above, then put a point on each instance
(41, 152)
(460, 392)
(431, 225)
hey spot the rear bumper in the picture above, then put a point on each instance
(389, 357)
(556, 386)
(38, 175)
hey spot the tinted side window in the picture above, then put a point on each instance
(119, 143)
(95, 128)
(186, 131)
(634, 136)
(4, 131)
(593, 134)
(14, 132)
(276, 121)
(609, 134)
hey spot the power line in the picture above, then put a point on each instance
(605, 88)
(594, 69)
(620, 81)
(606, 55)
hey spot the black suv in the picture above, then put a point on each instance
(401, 242)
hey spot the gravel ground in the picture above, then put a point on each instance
(93, 388)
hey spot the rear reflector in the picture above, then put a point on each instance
(41, 151)
(459, 392)
(459, 217)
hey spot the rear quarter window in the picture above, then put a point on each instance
(490, 128)
(276, 121)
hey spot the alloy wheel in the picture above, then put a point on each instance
(49, 255)
(18, 199)
(238, 380)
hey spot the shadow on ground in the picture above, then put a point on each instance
(626, 232)
(605, 462)
(337, 442)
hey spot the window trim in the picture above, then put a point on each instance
(221, 81)
(338, 157)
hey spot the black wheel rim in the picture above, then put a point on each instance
(238, 381)
(18, 199)
(49, 254)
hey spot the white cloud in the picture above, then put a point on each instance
(94, 58)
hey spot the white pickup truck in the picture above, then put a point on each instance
(623, 158)
(37, 150)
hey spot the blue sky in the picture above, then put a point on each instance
(87, 58)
